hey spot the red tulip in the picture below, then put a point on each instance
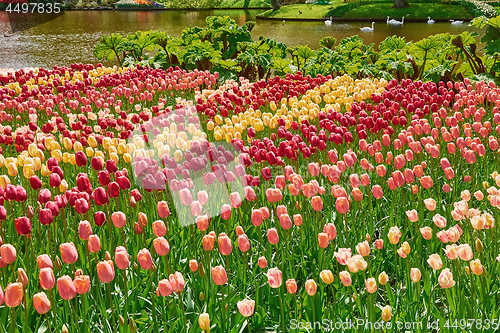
(23, 225)
(81, 206)
(80, 158)
(100, 196)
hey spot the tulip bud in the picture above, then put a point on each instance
(467, 270)
(57, 263)
(479, 245)
(133, 203)
(154, 268)
(132, 325)
(202, 296)
(135, 265)
(22, 277)
(121, 320)
(354, 297)
(107, 256)
(368, 238)
(64, 329)
(201, 270)
(486, 185)
(30, 212)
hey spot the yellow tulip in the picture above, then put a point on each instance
(178, 156)
(91, 140)
(65, 157)
(4, 181)
(100, 154)
(45, 171)
(77, 146)
(63, 187)
(57, 155)
(114, 157)
(89, 151)
(218, 119)
(28, 171)
(12, 169)
(127, 158)
(131, 148)
(67, 143)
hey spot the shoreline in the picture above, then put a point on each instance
(355, 19)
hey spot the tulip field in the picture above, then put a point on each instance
(149, 200)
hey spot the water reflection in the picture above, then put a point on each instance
(70, 38)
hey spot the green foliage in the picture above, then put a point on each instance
(223, 46)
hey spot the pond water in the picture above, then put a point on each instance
(70, 37)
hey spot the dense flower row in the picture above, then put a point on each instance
(350, 198)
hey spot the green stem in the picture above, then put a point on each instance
(108, 290)
(153, 310)
(283, 313)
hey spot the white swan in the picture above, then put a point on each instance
(394, 22)
(329, 22)
(430, 21)
(456, 22)
(368, 29)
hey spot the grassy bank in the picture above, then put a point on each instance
(246, 4)
(302, 11)
(415, 11)
(373, 10)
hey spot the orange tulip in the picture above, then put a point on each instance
(272, 236)
(13, 294)
(317, 203)
(144, 259)
(82, 284)
(225, 244)
(219, 275)
(291, 286)
(66, 287)
(165, 288)
(122, 257)
(41, 303)
(69, 254)
(363, 248)
(161, 246)
(8, 253)
(246, 307)
(44, 261)
(94, 244)
(311, 287)
(193, 265)
(177, 282)
(262, 261)
(415, 275)
(106, 271)
(47, 279)
(345, 278)
(445, 279)
(163, 210)
(435, 261)
(342, 205)
(371, 285)
(323, 240)
(119, 219)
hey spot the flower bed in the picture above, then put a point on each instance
(162, 199)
